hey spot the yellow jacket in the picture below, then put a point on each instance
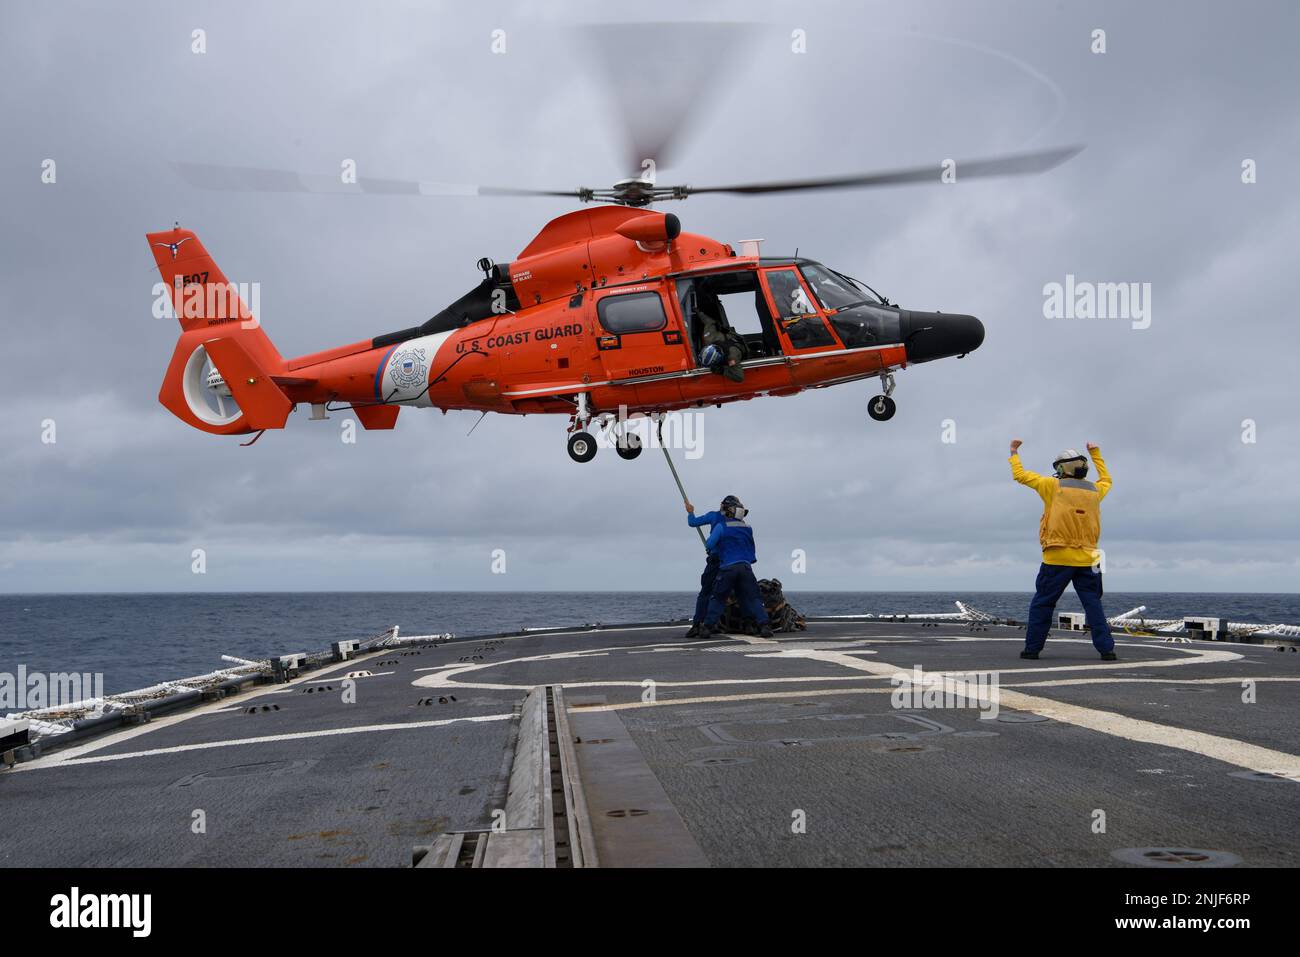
(1084, 552)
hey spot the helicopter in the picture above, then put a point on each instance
(602, 317)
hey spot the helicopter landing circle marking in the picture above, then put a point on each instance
(1228, 750)
(449, 676)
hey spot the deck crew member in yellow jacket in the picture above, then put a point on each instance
(1068, 532)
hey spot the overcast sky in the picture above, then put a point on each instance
(1184, 93)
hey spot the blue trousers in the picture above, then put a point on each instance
(1051, 583)
(706, 588)
(740, 578)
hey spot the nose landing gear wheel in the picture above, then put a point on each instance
(629, 446)
(881, 408)
(582, 447)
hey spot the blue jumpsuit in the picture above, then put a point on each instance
(713, 520)
(733, 542)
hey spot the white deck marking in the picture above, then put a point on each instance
(577, 631)
(754, 640)
(1253, 757)
(835, 692)
(1064, 682)
(1228, 750)
(269, 738)
(441, 677)
(166, 721)
(445, 676)
(824, 644)
(1219, 748)
(727, 698)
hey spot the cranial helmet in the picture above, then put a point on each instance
(732, 507)
(711, 356)
(1070, 463)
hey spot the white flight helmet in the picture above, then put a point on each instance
(1070, 463)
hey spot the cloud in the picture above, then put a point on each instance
(127, 492)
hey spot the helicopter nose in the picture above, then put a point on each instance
(937, 335)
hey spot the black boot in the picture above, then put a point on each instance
(765, 631)
(1033, 655)
(1108, 656)
(693, 633)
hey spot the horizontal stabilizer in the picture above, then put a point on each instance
(293, 380)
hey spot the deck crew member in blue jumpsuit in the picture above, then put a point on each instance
(713, 520)
(732, 541)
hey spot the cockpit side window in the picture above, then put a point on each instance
(833, 290)
(788, 294)
(797, 314)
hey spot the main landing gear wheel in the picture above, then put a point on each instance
(582, 447)
(629, 446)
(882, 408)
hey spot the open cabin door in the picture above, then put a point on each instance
(733, 302)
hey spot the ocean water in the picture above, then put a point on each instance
(135, 640)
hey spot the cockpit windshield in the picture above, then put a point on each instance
(835, 290)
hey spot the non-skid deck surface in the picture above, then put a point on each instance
(791, 751)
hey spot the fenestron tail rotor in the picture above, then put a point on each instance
(206, 392)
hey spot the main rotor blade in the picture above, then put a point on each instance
(1012, 165)
(254, 179)
(659, 75)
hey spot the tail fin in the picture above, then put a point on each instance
(241, 398)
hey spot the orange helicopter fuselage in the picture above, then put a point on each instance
(599, 306)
